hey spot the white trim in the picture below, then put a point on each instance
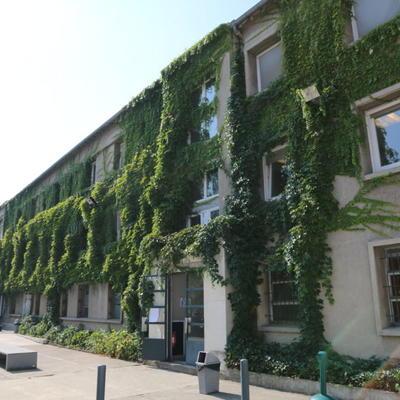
(278, 43)
(372, 136)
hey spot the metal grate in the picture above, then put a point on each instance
(392, 268)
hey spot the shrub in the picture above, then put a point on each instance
(291, 360)
(117, 344)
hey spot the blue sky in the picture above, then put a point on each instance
(68, 65)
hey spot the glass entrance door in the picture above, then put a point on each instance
(194, 322)
(154, 344)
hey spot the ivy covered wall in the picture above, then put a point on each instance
(73, 242)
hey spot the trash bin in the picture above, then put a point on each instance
(17, 323)
(208, 366)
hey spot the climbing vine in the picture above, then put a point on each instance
(55, 237)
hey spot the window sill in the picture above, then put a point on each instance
(392, 171)
(280, 329)
(394, 331)
(206, 200)
(95, 320)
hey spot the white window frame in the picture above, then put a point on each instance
(373, 138)
(270, 297)
(205, 216)
(258, 56)
(267, 170)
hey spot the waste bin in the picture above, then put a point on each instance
(17, 323)
(208, 366)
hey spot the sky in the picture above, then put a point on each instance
(66, 66)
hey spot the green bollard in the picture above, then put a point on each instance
(323, 361)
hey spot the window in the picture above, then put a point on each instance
(392, 270)
(369, 14)
(203, 217)
(114, 304)
(83, 301)
(383, 124)
(64, 304)
(209, 186)
(13, 304)
(1, 228)
(118, 224)
(209, 120)
(269, 66)
(117, 156)
(274, 174)
(93, 173)
(284, 305)
(37, 304)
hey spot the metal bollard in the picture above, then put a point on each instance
(101, 382)
(323, 364)
(244, 379)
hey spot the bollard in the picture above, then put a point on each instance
(244, 379)
(323, 362)
(101, 382)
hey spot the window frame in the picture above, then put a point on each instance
(267, 171)
(370, 114)
(258, 56)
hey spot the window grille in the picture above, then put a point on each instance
(392, 268)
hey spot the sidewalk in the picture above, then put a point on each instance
(71, 374)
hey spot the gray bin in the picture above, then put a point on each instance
(208, 366)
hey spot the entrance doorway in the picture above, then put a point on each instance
(186, 316)
(174, 325)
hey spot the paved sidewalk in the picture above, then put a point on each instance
(70, 374)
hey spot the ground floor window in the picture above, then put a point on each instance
(283, 298)
(83, 301)
(64, 304)
(37, 304)
(114, 304)
(12, 304)
(392, 270)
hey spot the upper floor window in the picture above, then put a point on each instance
(209, 186)
(269, 65)
(274, 173)
(383, 124)
(369, 14)
(203, 217)
(93, 173)
(1, 228)
(208, 113)
(117, 159)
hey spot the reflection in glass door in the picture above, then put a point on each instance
(194, 316)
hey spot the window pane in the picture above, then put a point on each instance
(270, 66)
(214, 214)
(393, 258)
(210, 92)
(195, 281)
(278, 178)
(195, 298)
(157, 315)
(395, 286)
(159, 299)
(371, 13)
(388, 135)
(195, 220)
(156, 331)
(158, 282)
(285, 313)
(212, 183)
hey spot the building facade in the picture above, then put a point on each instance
(189, 311)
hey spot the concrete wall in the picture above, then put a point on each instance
(98, 309)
